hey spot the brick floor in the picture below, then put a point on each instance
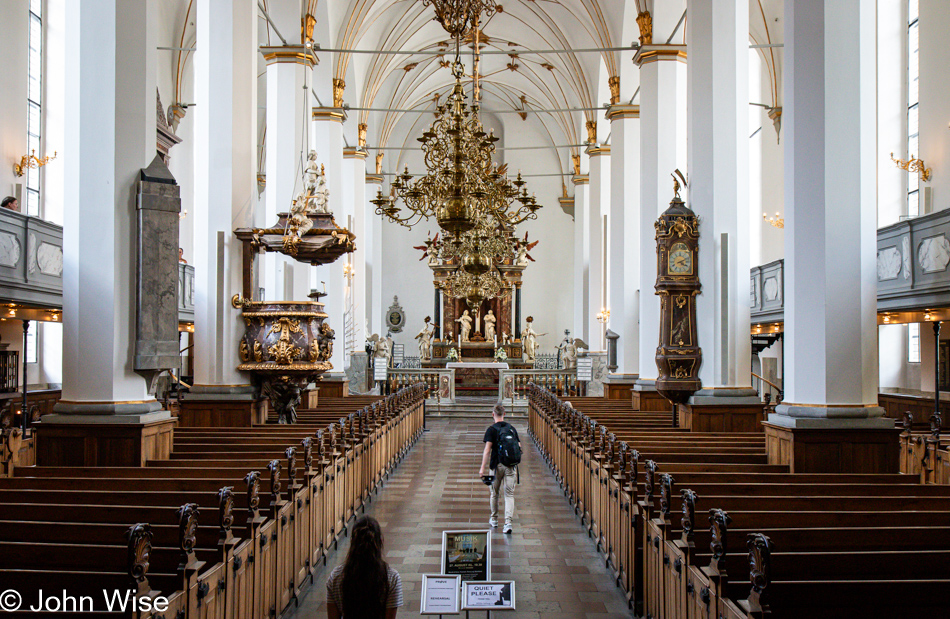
(557, 571)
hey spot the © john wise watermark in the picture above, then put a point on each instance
(112, 600)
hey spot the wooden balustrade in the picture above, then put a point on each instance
(513, 385)
(440, 382)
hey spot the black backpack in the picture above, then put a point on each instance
(509, 451)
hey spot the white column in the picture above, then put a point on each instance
(289, 73)
(581, 255)
(327, 140)
(662, 150)
(109, 137)
(373, 247)
(830, 219)
(354, 164)
(718, 150)
(624, 282)
(597, 271)
(225, 184)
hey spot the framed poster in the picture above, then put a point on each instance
(440, 594)
(497, 595)
(467, 554)
(585, 369)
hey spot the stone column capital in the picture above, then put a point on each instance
(655, 53)
(332, 114)
(294, 54)
(621, 111)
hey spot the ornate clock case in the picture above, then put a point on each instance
(678, 356)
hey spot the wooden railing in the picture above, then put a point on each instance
(440, 381)
(513, 384)
(772, 393)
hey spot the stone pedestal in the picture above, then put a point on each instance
(834, 446)
(358, 373)
(103, 440)
(599, 371)
(722, 410)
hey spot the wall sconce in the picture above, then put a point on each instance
(603, 315)
(777, 221)
(348, 271)
(31, 161)
(913, 165)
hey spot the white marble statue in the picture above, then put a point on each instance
(315, 182)
(300, 215)
(425, 340)
(569, 348)
(465, 325)
(382, 348)
(529, 338)
(489, 321)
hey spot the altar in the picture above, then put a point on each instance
(476, 378)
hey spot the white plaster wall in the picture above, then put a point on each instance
(892, 352)
(14, 16)
(934, 94)
(891, 114)
(767, 171)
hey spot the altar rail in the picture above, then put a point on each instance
(440, 381)
(513, 384)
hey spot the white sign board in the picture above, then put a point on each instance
(399, 354)
(379, 370)
(488, 595)
(440, 594)
(585, 369)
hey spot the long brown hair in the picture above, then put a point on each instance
(365, 575)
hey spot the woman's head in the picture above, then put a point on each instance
(365, 574)
(366, 538)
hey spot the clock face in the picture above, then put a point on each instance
(680, 260)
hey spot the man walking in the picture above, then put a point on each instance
(502, 455)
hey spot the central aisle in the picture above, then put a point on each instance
(554, 563)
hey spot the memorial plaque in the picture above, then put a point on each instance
(496, 595)
(440, 594)
(467, 554)
(585, 369)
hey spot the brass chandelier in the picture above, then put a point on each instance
(462, 183)
(473, 201)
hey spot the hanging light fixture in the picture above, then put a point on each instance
(462, 183)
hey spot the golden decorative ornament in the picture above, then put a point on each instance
(913, 165)
(576, 160)
(591, 131)
(338, 87)
(307, 24)
(614, 84)
(645, 23)
(361, 135)
(31, 161)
